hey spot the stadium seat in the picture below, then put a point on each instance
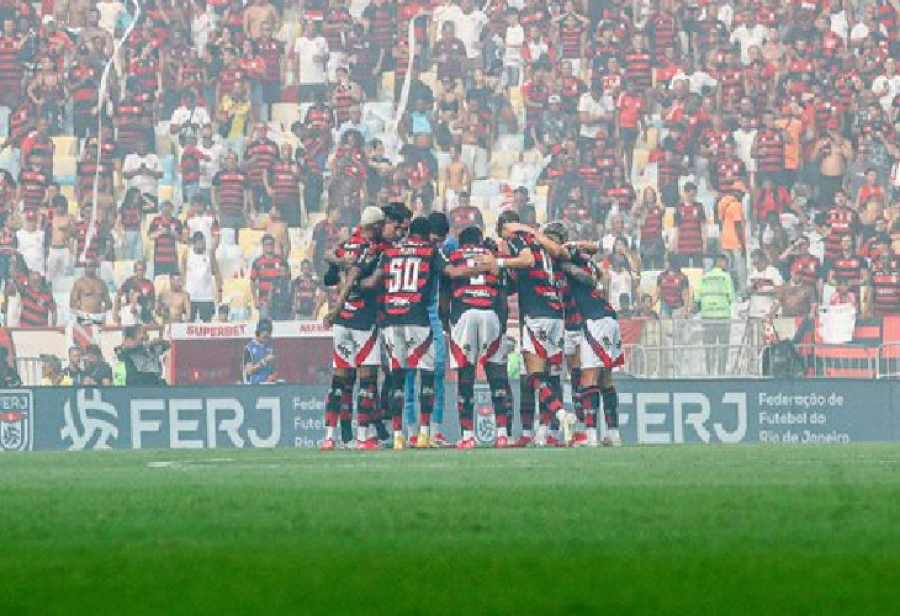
(236, 292)
(286, 114)
(64, 169)
(64, 146)
(162, 284)
(230, 259)
(166, 193)
(123, 269)
(693, 274)
(249, 240)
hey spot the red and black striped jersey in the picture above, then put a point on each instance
(231, 186)
(465, 216)
(848, 269)
(623, 195)
(361, 309)
(36, 306)
(284, 179)
(11, 68)
(840, 221)
(269, 272)
(571, 34)
(85, 80)
(304, 291)
(671, 288)
(886, 287)
(410, 270)
(770, 151)
(481, 292)
(271, 51)
(165, 247)
(809, 268)
(336, 27)
(651, 230)
(588, 299)
(34, 186)
(538, 294)
(689, 219)
(259, 156)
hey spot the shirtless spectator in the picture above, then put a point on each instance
(175, 304)
(795, 299)
(60, 260)
(89, 299)
(146, 294)
(256, 14)
(203, 280)
(457, 178)
(278, 229)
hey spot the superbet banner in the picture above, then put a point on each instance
(212, 354)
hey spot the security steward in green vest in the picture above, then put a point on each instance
(714, 296)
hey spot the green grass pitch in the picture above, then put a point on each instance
(658, 530)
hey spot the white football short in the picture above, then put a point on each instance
(410, 346)
(355, 348)
(544, 337)
(603, 344)
(477, 335)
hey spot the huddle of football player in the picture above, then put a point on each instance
(402, 284)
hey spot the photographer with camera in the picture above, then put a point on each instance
(142, 358)
(259, 356)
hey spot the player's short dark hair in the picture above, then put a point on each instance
(264, 326)
(505, 217)
(471, 236)
(420, 227)
(60, 201)
(440, 226)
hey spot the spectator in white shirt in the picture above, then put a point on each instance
(595, 111)
(311, 63)
(141, 170)
(762, 284)
(469, 24)
(213, 148)
(512, 54)
(187, 120)
(697, 80)
(749, 34)
(31, 243)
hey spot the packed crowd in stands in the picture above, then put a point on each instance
(201, 166)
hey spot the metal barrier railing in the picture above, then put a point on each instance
(889, 361)
(29, 369)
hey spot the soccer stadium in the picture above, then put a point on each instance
(436, 306)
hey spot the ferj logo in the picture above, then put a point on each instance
(90, 422)
(16, 422)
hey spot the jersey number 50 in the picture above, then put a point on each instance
(404, 276)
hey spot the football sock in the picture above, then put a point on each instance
(576, 394)
(611, 407)
(365, 407)
(426, 400)
(465, 401)
(333, 402)
(591, 402)
(547, 398)
(526, 405)
(501, 395)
